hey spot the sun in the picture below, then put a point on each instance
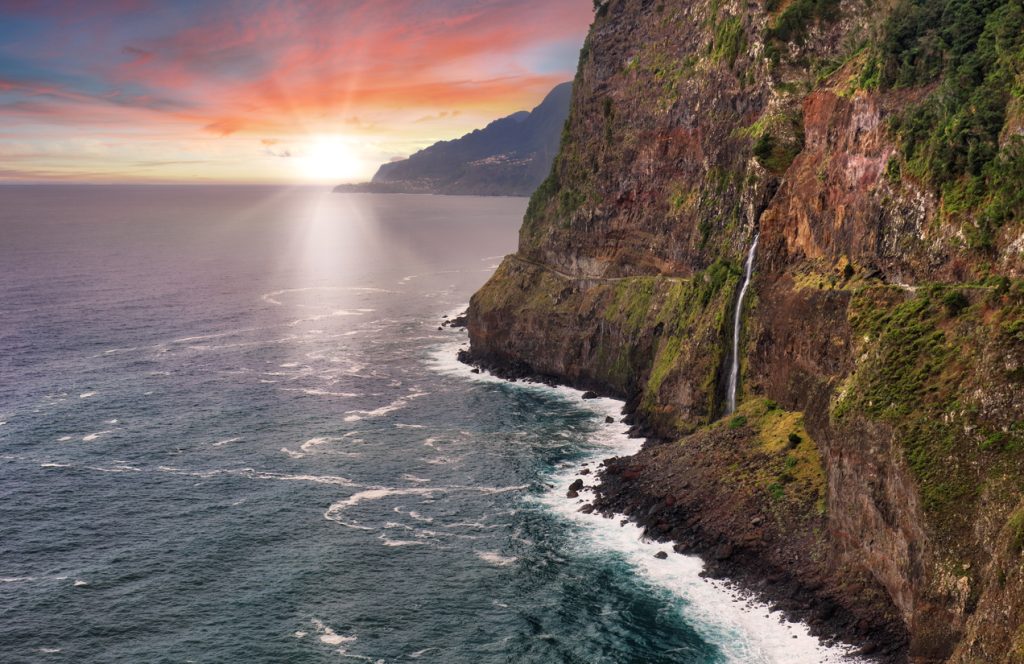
(331, 159)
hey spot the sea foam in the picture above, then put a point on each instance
(747, 631)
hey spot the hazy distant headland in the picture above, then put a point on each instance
(509, 157)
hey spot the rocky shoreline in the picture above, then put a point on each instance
(665, 491)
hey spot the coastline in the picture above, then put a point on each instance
(746, 606)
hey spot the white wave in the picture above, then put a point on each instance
(420, 653)
(115, 469)
(299, 634)
(227, 441)
(397, 404)
(205, 337)
(55, 465)
(495, 558)
(316, 442)
(273, 297)
(322, 393)
(64, 439)
(88, 438)
(443, 461)
(113, 421)
(86, 395)
(292, 453)
(412, 478)
(399, 425)
(315, 479)
(379, 493)
(251, 473)
(457, 311)
(16, 579)
(334, 314)
(112, 351)
(79, 583)
(329, 636)
(391, 542)
(49, 651)
(746, 632)
(320, 441)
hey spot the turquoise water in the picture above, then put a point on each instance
(232, 432)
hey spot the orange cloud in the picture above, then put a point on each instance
(290, 69)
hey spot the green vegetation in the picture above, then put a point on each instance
(1016, 525)
(730, 41)
(955, 301)
(973, 52)
(778, 139)
(692, 310)
(738, 422)
(775, 155)
(785, 470)
(792, 24)
(921, 372)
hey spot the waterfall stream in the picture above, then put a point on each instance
(734, 371)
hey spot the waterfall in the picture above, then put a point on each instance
(734, 371)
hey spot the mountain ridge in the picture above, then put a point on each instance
(508, 157)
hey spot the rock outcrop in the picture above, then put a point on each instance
(874, 471)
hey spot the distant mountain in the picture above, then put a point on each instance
(509, 157)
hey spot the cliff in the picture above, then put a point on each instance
(509, 157)
(871, 479)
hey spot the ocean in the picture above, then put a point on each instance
(231, 431)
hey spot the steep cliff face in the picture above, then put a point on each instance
(878, 149)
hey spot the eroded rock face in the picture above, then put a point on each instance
(868, 331)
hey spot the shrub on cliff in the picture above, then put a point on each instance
(973, 52)
(792, 24)
(955, 301)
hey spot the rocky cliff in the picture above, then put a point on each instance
(872, 478)
(508, 157)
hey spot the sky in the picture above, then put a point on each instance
(264, 91)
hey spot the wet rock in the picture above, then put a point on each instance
(609, 420)
(572, 494)
(661, 555)
(590, 395)
(576, 485)
(587, 509)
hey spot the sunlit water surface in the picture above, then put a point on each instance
(230, 431)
